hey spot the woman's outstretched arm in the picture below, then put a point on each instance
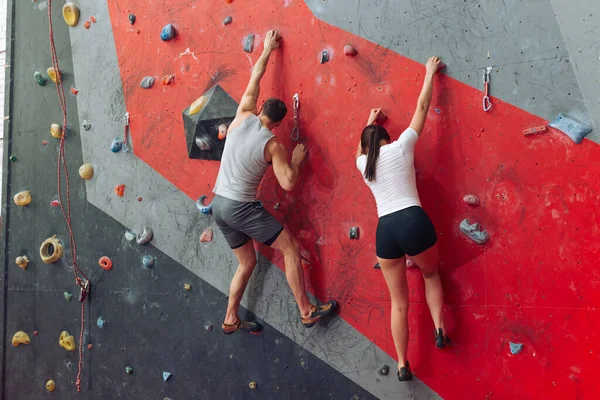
(418, 120)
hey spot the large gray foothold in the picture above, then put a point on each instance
(574, 129)
(249, 43)
(473, 232)
(147, 82)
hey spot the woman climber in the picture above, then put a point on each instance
(404, 228)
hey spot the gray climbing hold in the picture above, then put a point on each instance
(203, 143)
(249, 43)
(68, 296)
(324, 57)
(86, 125)
(145, 236)
(147, 82)
(100, 322)
(129, 370)
(227, 20)
(353, 233)
(208, 328)
(515, 348)
(148, 261)
(574, 129)
(166, 376)
(473, 232)
(131, 19)
(383, 371)
(130, 237)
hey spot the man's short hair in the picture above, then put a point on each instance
(274, 109)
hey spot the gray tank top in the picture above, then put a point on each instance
(243, 162)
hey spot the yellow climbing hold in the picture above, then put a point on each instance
(22, 198)
(56, 131)
(71, 14)
(20, 338)
(198, 105)
(66, 341)
(57, 250)
(22, 262)
(86, 171)
(50, 385)
(53, 75)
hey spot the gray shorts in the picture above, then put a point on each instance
(241, 221)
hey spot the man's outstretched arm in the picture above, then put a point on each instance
(250, 97)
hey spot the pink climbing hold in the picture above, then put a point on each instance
(471, 200)
(207, 235)
(55, 203)
(349, 50)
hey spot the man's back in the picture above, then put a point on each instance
(243, 162)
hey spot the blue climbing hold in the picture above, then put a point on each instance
(148, 261)
(515, 348)
(227, 20)
(574, 129)
(166, 376)
(100, 322)
(116, 145)
(168, 32)
(202, 208)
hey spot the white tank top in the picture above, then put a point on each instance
(395, 184)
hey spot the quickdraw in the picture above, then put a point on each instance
(295, 130)
(487, 104)
(126, 148)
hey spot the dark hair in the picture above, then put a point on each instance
(369, 140)
(274, 109)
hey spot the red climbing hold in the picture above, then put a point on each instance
(139, 199)
(74, 91)
(349, 50)
(120, 190)
(44, 142)
(90, 346)
(105, 263)
(207, 235)
(55, 203)
(87, 24)
(93, 19)
(471, 200)
(35, 333)
(168, 79)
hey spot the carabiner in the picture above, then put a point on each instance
(487, 104)
(296, 130)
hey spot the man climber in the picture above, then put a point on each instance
(249, 150)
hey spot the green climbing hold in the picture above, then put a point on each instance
(12, 158)
(39, 78)
(129, 370)
(68, 296)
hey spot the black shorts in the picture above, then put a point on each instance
(405, 232)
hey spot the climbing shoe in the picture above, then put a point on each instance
(318, 312)
(248, 326)
(405, 374)
(441, 340)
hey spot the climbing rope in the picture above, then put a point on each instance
(81, 278)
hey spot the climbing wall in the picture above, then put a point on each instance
(533, 283)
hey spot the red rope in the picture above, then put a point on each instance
(62, 165)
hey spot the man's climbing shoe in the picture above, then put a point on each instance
(248, 326)
(318, 312)
(405, 374)
(441, 340)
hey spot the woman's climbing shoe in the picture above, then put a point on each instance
(441, 340)
(405, 374)
(318, 312)
(248, 326)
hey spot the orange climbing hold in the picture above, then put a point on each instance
(105, 263)
(168, 79)
(74, 91)
(120, 190)
(87, 24)
(228, 1)
(93, 19)
(207, 235)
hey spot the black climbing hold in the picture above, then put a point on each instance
(249, 43)
(131, 19)
(324, 56)
(227, 20)
(383, 371)
(353, 233)
(377, 266)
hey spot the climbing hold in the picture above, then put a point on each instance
(473, 232)
(35, 333)
(50, 385)
(207, 235)
(228, 1)
(377, 266)
(166, 376)
(131, 19)
(55, 203)
(87, 24)
(168, 32)
(223, 131)
(148, 261)
(515, 348)
(437, 110)
(116, 145)
(145, 236)
(86, 125)
(105, 263)
(227, 20)
(349, 50)
(535, 131)
(20, 338)
(71, 14)
(100, 322)
(187, 286)
(93, 19)
(86, 171)
(203, 143)
(74, 91)
(12, 158)
(120, 190)
(168, 79)
(147, 82)
(66, 341)
(44, 142)
(383, 371)
(198, 105)
(129, 370)
(139, 199)
(39, 78)
(249, 43)
(90, 346)
(56, 131)
(56, 77)
(68, 296)
(51, 250)
(324, 56)
(22, 198)
(208, 328)
(574, 129)
(353, 233)
(471, 200)
(22, 262)
(201, 207)
(252, 385)
(410, 263)
(130, 237)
